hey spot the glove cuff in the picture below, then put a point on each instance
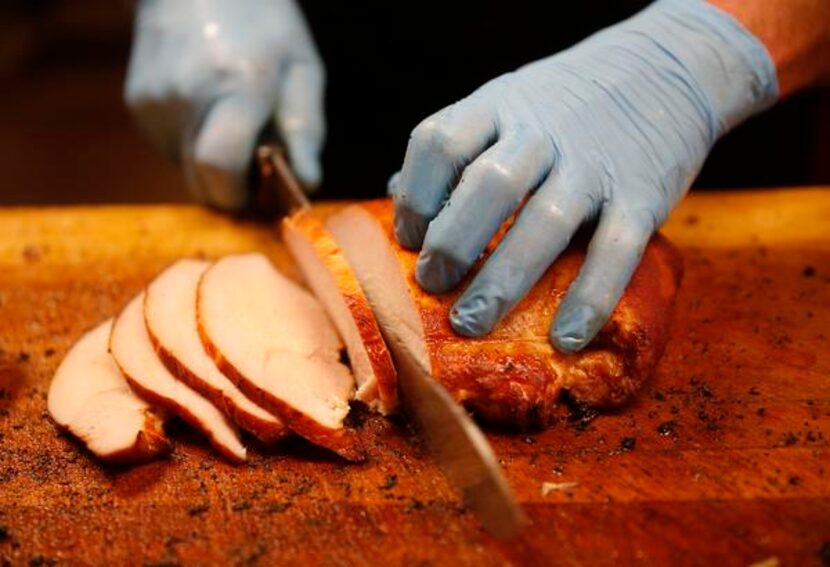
(731, 68)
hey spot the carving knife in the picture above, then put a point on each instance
(457, 444)
(459, 447)
(276, 189)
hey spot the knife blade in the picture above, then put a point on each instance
(459, 447)
(457, 444)
(277, 190)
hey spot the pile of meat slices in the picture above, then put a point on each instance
(235, 345)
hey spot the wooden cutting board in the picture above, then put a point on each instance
(723, 460)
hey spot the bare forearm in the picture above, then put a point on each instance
(795, 32)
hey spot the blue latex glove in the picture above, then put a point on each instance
(615, 129)
(206, 76)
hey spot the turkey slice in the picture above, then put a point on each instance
(332, 280)
(170, 315)
(132, 349)
(90, 397)
(274, 340)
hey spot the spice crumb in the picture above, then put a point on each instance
(413, 506)
(548, 487)
(198, 509)
(277, 507)
(390, 482)
(241, 506)
(628, 443)
(789, 439)
(667, 427)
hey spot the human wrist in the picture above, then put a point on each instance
(686, 63)
(795, 32)
(729, 66)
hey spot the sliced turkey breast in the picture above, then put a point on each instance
(133, 351)
(332, 280)
(91, 398)
(170, 315)
(274, 340)
(513, 375)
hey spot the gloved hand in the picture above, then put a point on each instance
(614, 129)
(206, 76)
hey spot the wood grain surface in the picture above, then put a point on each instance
(723, 459)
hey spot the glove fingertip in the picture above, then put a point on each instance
(472, 317)
(410, 228)
(304, 152)
(438, 271)
(574, 326)
(309, 172)
(392, 184)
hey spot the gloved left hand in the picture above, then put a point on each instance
(206, 76)
(615, 128)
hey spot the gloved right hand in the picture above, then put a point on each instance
(612, 130)
(206, 76)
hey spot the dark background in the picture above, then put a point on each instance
(65, 135)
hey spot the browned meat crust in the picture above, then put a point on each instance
(150, 443)
(514, 375)
(361, 312)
